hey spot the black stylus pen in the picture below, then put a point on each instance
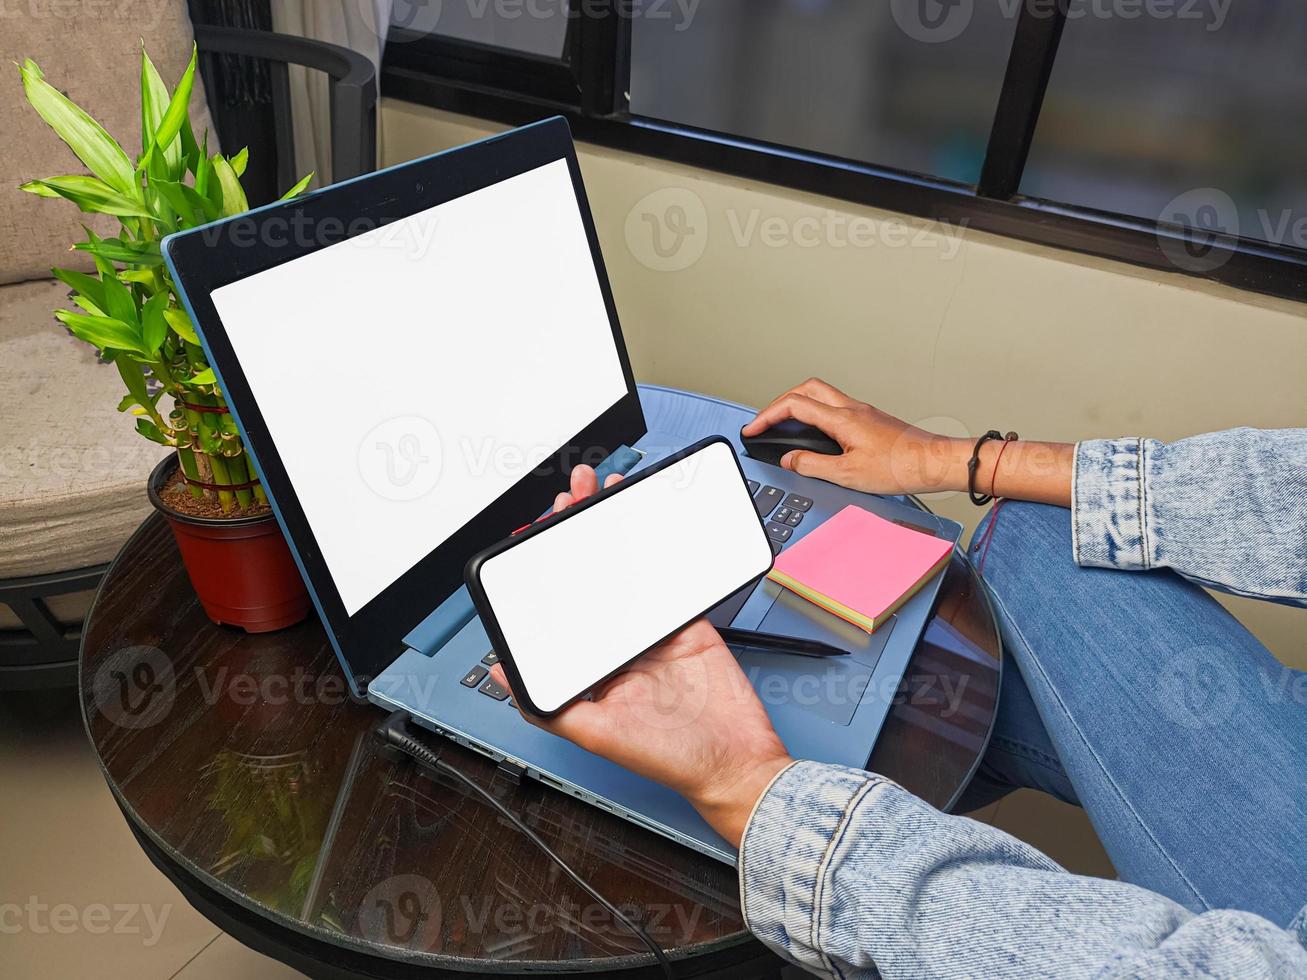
(781, 644)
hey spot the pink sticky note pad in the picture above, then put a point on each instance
(859, 566)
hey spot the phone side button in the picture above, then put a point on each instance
(475, 676)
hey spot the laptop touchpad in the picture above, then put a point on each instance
(830, 687)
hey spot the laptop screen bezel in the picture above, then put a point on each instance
(204, 259)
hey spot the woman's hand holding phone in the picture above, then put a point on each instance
(684, 715)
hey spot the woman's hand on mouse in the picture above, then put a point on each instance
(882, 454)
(683, 715)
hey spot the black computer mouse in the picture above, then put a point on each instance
(770, 446)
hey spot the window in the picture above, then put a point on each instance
(1148, 131)
(839, 77)
(536, 27)
(1196, 117)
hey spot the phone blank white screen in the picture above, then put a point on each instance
(413, 374)
(582, 598)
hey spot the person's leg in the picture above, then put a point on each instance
(1020, 754)
(1185, 740)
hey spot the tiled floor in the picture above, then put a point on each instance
(79, 899)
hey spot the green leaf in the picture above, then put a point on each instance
(143, 276)
(181, 325)
(165, 214)
(155, 163)
(90, 287)
(298, 189)
(84, 136)
(233, 196)
(205, 377)
(151, 431)
(178, 110)
(154, 328)
(154, 100)
(134, 378)
(101, 331)
(190, 150)
(92, 195)
(119, 302)
(116, 250)
(194, 208)
(102, 265)
(239, 161)
(38, 188)
(89, 306)
(204, 172)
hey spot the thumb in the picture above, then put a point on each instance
(576, 724)
(820, 466)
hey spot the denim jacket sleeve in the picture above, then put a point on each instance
(1227, 510)
(849, 875)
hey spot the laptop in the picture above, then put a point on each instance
(417, 359)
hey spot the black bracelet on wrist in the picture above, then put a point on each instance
(973, 465)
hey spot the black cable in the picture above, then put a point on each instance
(423, 755)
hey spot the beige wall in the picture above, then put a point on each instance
(952, 329)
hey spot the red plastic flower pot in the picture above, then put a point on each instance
(240, 567)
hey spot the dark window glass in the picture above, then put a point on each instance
(909, 84)
(1195, 118)
(527, 26)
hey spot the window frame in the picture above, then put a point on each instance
(590, 85)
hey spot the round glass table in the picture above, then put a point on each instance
(251, 778)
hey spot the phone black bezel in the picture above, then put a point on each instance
(472, 574)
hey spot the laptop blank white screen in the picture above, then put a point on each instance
(413, 374)
(580, 599)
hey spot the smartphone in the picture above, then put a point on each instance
(581, 595)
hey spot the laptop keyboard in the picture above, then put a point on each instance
(782, 512)
(479, 677)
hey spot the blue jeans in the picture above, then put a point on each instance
(1138, 697)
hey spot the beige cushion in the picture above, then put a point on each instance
(90, 50)
(72, 469)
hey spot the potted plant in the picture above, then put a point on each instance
(128, 310)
